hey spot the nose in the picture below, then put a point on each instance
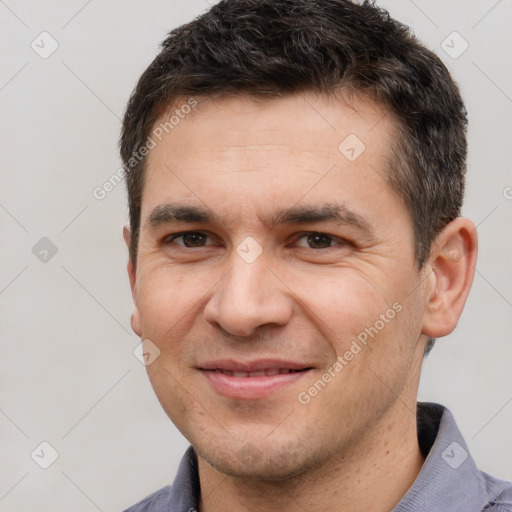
(249, 296)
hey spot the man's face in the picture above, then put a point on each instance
(276, 276)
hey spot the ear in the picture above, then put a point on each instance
(451, 268)
(132, 274)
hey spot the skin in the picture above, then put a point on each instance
(353, 446)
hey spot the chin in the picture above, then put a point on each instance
(262, 461)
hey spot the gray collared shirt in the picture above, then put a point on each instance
(448, 482)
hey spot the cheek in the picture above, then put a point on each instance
(365, 318)
(166, 296)
(344, 306)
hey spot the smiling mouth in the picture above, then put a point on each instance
(270, 372)
(263, 380)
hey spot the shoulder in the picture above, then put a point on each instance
(500, 494)
(156, 502)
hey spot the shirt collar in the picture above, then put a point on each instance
(449, 480)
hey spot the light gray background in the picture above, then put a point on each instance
(68, 374)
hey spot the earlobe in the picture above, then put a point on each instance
(136, 321)
(135, 318)
(452, 266)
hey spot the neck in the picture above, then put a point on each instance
(373, 474)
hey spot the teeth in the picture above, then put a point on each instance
(269, 372)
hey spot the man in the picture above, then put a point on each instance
(295, 172)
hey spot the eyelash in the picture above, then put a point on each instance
(333, 239)
(172, 238)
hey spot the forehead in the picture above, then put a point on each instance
(246, 154)
(291, 120)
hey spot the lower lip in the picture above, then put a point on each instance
(251, 388)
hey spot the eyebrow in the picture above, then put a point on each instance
(167, 213)
(331, 212)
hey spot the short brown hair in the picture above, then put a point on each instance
(270, 48)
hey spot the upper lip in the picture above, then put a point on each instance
(252, 366)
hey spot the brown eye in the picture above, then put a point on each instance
(315, 241)
(319, 241)
(190, 239)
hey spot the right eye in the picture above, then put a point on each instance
(189, 239)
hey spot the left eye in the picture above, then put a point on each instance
(317, 241)
(190, 239)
